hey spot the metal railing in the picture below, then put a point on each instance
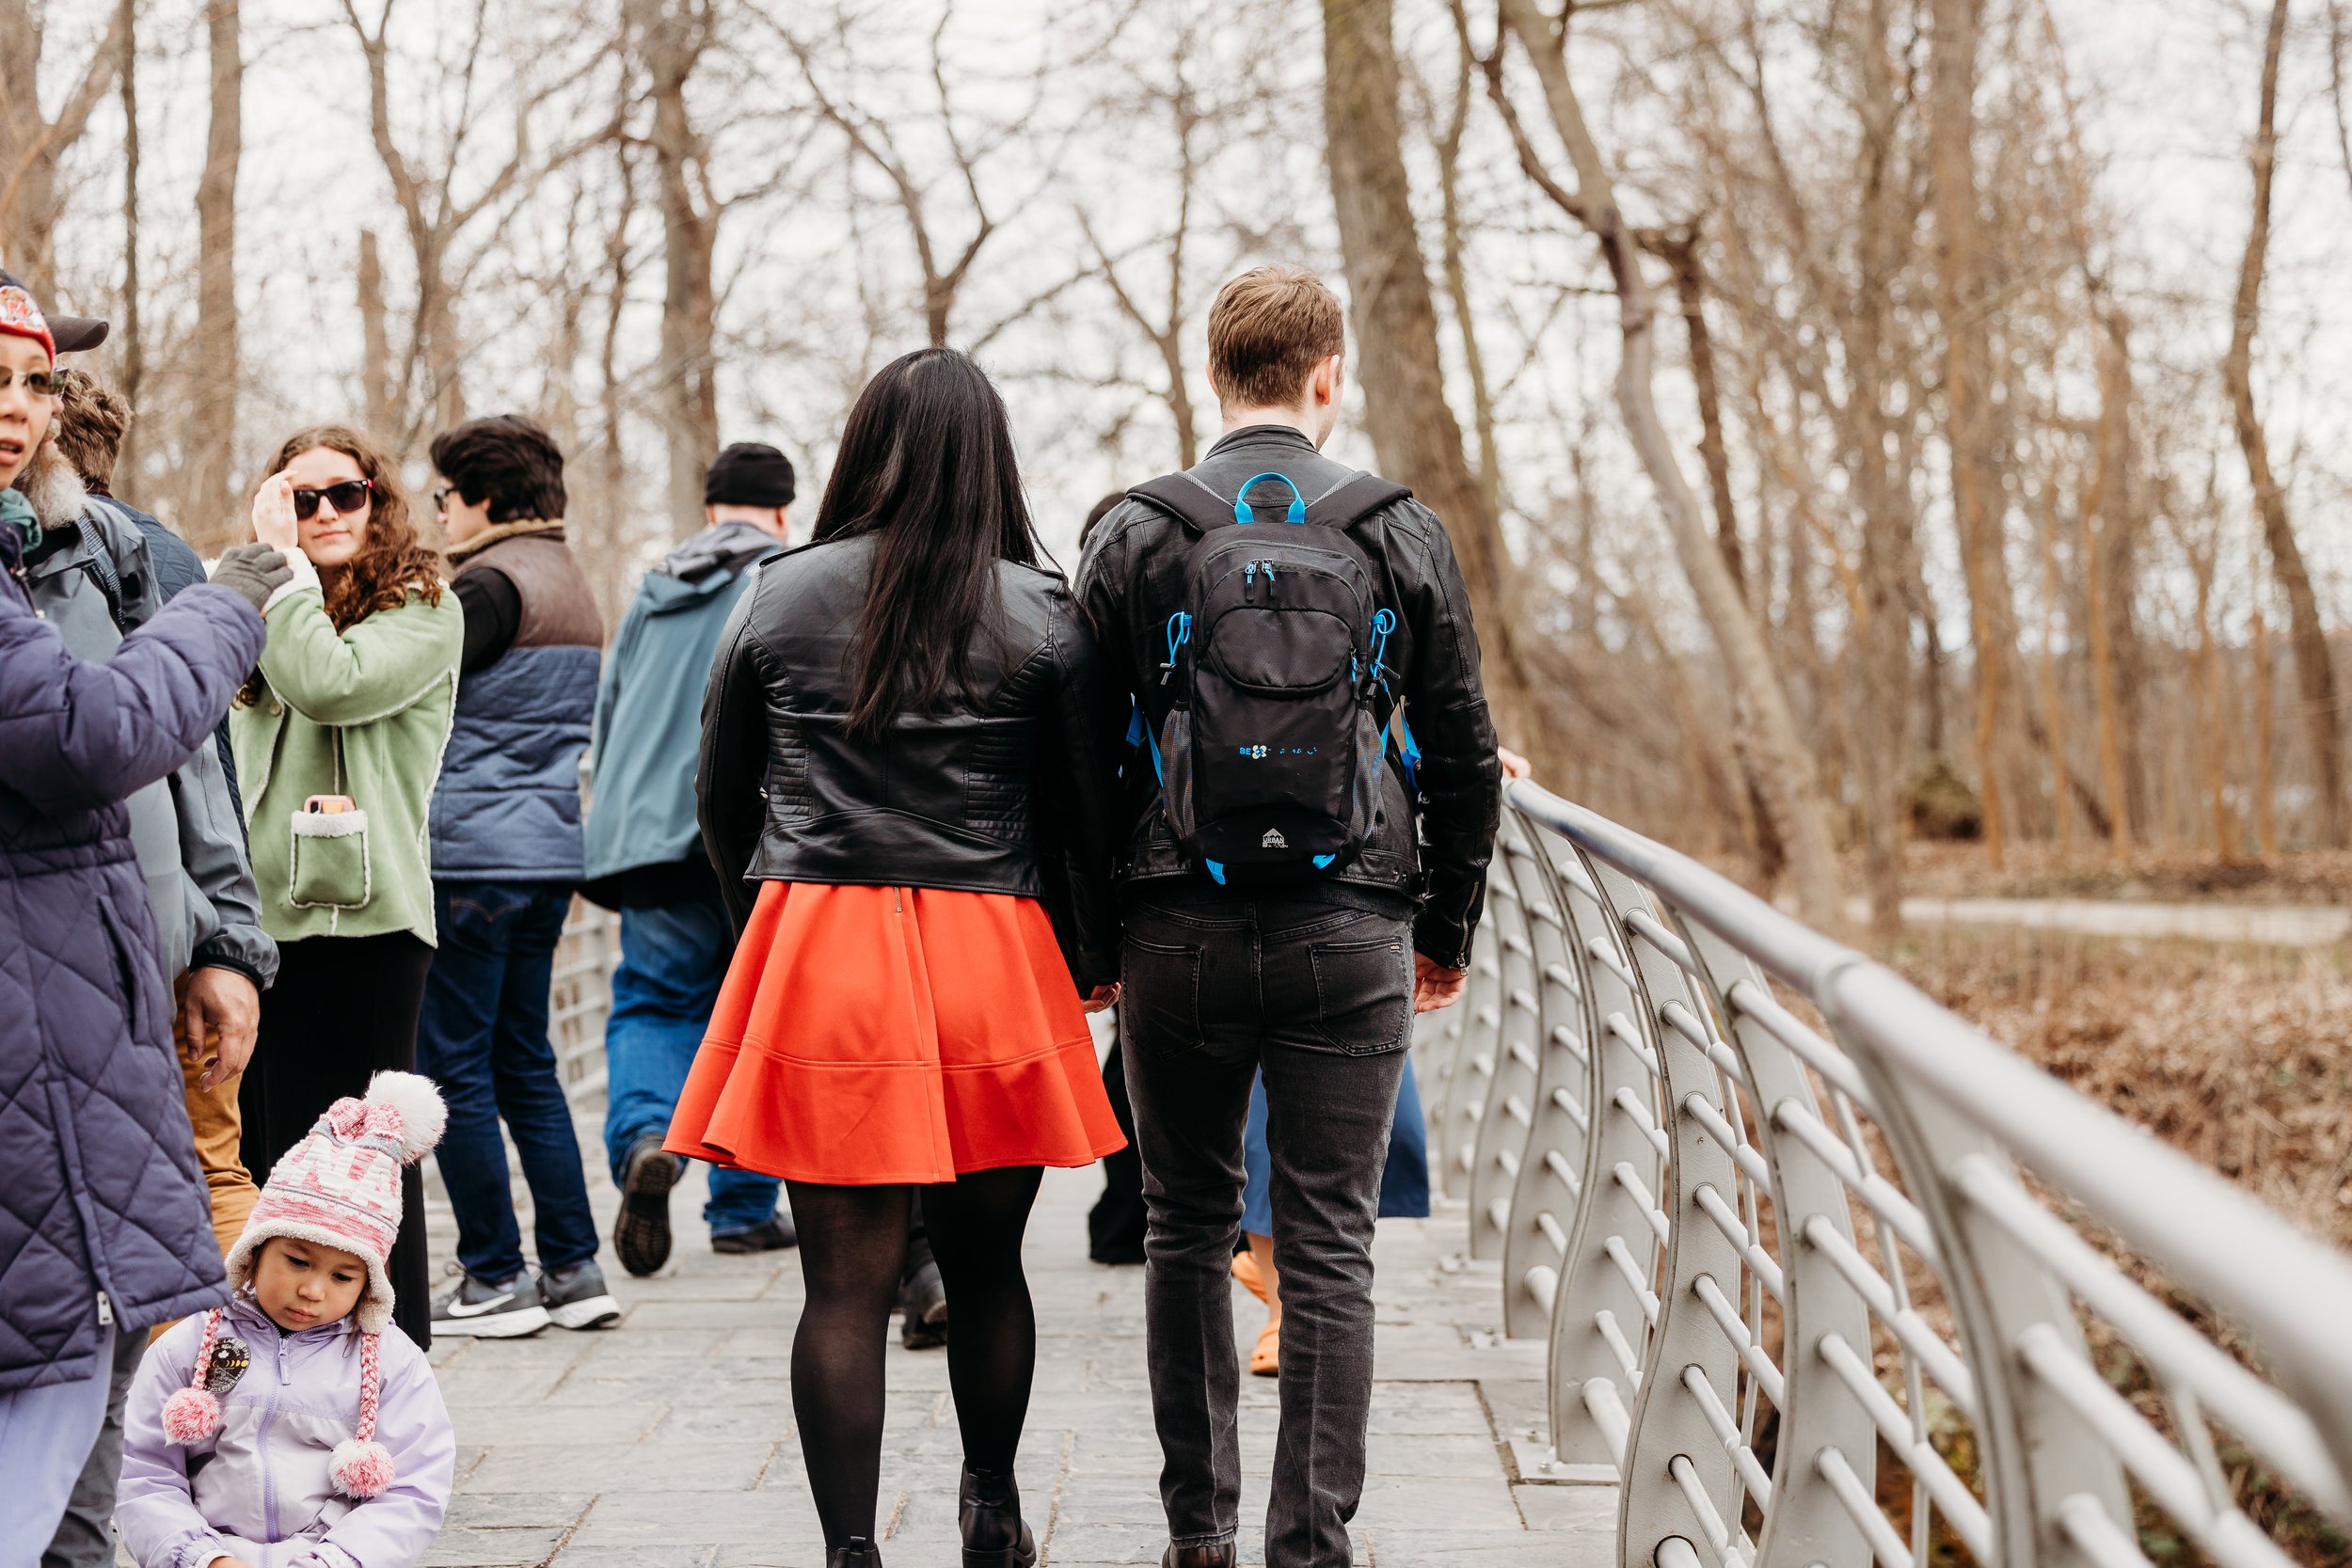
(1829, 1276)
(582, 995)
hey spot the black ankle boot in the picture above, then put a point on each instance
(987, 1510)
(859, 1553)
(1218, 1554)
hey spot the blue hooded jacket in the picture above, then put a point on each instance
(648, 725)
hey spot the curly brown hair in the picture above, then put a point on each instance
(394, 563)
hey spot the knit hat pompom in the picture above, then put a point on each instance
(191, 1415)
(360, 1467)
(407, 1107)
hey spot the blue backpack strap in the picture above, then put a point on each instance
(1409, 753)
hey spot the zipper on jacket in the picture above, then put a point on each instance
(105, 1311)
(260, 1444)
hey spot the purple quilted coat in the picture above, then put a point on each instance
(102, 1209)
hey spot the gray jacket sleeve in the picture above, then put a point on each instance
(224, 907)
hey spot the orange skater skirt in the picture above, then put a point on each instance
(872, 1035)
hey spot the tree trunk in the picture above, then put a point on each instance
(2107, 528)
(212, 518)
(2314, 672)
(1976, 498)
(686, 389)
(376, 398)
(133, 339)
(1413, 430)
(32, 148)
(2053, 712)
(2265, 820)
(1785, 768)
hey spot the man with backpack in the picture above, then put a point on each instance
(1310, 826)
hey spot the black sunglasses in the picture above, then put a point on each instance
(345, 497)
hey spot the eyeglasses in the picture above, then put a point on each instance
(346, 498)
(440, 496)
(36, 384)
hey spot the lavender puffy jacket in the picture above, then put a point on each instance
(99, 1187)
(258, 1488)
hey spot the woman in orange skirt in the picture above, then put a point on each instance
(906, 799)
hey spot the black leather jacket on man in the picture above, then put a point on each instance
(1132, 580)
(1001, 789)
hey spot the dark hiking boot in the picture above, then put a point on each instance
(640, 1237)
(859, 1553)
(988, 1512)
(575, 1296)
(489, 1308)
(923, 1300)
(772, 1234)
(1218, 1554)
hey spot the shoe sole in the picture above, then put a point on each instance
(1022, 1556)
(737, 1249)
(640, 1237)
(496, 1326)
(587, 1312)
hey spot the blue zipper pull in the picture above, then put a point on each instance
(1249, 576)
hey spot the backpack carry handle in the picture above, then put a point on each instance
(1241, 514)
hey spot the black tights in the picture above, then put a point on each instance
(851, 1242)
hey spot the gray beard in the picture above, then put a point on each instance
(56, 492)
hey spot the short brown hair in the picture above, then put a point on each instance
(1268, 330)
(91, 420)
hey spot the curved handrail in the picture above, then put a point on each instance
(1778, 1254)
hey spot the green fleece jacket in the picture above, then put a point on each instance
(364, 713)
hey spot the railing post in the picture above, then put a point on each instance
(1455, 1129)
(1679, 1478)
(1551, 1179)
(2036, 1453)
(1607, 1302)
(1806, 1524)
(1503, 1133)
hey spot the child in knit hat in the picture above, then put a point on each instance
(288, 1429)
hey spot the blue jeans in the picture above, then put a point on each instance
(673, 957)
(1404, 1181)
(484, 1038)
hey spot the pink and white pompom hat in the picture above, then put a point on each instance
(339, 1187)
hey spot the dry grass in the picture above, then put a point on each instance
(2153, 876)
(2240, 1056)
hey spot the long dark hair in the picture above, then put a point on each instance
(927, 467)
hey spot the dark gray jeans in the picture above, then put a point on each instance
(1317, 994)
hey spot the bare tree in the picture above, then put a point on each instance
(210, 442)
(871, 138)
(133, 338)
(33, 146)
(2313, 668)
(671, 36)
(1784, 766)
(1412, 426)
(428, 392)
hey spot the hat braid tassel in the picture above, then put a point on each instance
(361, 1466)
(193, 1414)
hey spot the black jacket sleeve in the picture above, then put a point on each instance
(494, 615)
(1104, 586)
(727, 789)
(1461, 775)
(1074, 801)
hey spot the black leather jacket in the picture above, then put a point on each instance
(1132, 580)
(999, 790)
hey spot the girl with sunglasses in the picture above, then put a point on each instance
(339, 739)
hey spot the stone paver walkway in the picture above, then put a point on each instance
(667, 1441)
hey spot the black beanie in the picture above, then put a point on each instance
(749, 474)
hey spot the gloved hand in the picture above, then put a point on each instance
(254, 571)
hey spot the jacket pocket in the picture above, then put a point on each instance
(139, 979)
(1364, 990)
(329, 868)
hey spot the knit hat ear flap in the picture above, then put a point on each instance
(193, 1414)
(361, 1466)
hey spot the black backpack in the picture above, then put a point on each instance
(1271, 756)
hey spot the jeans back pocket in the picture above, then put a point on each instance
(1159, 1000)
(1364, 991)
